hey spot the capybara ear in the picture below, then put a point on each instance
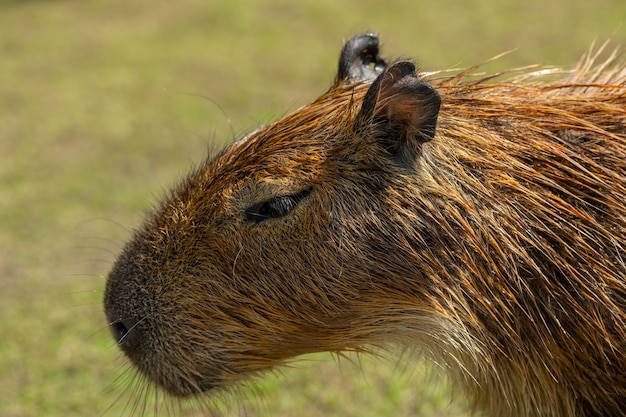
(359, 60)
(400, 110)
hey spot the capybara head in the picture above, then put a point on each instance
(481, 222)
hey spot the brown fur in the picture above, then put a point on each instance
(498, 248)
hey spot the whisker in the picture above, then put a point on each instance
(106, 220)
(96, 248)
(87, 275)
(219, 107)
(235, 260)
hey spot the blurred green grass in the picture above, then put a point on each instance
(105, 104)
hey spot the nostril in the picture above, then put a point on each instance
(124, 332)
(120, 331)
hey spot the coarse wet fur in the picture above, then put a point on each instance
(482, 222)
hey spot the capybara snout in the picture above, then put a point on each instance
(480, 222)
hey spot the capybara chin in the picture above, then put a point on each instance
(482, 222)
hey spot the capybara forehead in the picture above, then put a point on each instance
(312, 126)
(292, 145)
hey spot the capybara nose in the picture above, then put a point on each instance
(126, 333)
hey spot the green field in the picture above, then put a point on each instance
(105, 104)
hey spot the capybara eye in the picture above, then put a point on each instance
(275, 207)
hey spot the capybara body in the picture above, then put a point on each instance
(480, 222)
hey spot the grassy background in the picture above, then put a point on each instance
(103, 104)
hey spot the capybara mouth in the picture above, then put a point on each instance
(144, 351)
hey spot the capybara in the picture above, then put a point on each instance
(481, 222)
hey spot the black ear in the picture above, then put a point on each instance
(400, 111)
(359, 60)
